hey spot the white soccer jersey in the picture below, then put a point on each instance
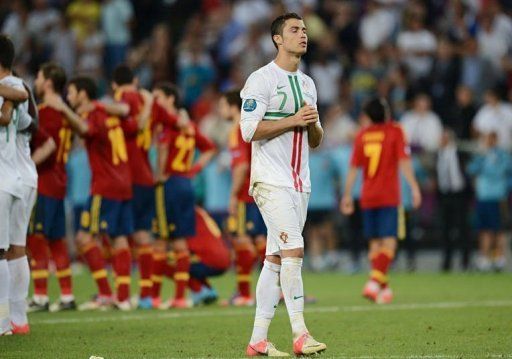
(26, 167)
(11, 179)
(271, 94)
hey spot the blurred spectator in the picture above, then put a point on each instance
(116, 16)
(42, 22)
(248, 12)
(476, 72)
(417, 45)
(83, 15)
(421, 125)
(399, 90)
(327, 72)
(377, 25)
(63, 46)
(495, 116)
(346, 27)
(444, 78)
(321, 241)
(16, 26)
(90, 51)
(491, 170)
(364, 79)
(79, 178)
(462, 113)
(453, 197)
(339, 127)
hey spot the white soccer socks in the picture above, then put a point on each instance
(18, 289)
(293, 292)
(4, 297)
(268, 294)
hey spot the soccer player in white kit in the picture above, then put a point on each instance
(280, 118)
(14, 198)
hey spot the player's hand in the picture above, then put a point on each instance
(416, 197)
(183, 118)
(147, 96)
(233, 204)
(347, 205)
(305, 116)
(55, 102)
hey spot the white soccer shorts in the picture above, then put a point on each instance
(21, 213)
(284, 211)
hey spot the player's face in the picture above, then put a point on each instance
(39, 84)
(73, 97)
(295, 38)
(224, 109)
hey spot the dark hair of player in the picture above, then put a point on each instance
(123, 75)
(376, 109)
(56, 74)
(233, 98)
(278, 24)
(87, 84)
(6, 52)
(170, 89)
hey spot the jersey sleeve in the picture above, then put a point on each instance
(255, 100)
(402, 147)
(203, 143)
(357, 153)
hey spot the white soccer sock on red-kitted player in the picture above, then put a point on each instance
(4, 296)
(268, 293)
(18, 289)
(293, 292)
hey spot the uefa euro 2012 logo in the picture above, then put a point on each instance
(249, 105)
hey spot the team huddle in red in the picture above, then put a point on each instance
(133, 208)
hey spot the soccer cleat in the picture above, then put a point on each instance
(97, 303)
(123, 306)
(385, 296)
(145, 303)
(204, 296)
(157, 302)
(7, 332)
(180, 303)
(37, 306)
(264, 348)
(241, 301)
(307, 345)
(61, 306)
(371, 290)
(20, 329)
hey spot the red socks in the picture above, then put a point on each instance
(60, 257)
(181, 275)
(121, 264)
(38, 247)
(94, 259)
(157, 276)
(244, 262)
(145, 260)
(381, 262)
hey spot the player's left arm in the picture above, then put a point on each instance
(208, 150)
(407, 168)
(315, 130)
(120, 109)
(13, 94)
(145, 114)
(6, 113)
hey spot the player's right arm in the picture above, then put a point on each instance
(6, 113)
(406, 167)
(347, 202)
(13, 94)
(43, 152)
(77, 124)
(255, 101)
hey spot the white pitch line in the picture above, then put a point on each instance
(242, 312)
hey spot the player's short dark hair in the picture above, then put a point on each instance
(123, 75)
(87, 84)
(56, 74)
(376, 109)
(233, 98)
(6, 52)
(169, 89)
(278, 24)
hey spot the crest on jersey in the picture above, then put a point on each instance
(284, 237)
(249, 105)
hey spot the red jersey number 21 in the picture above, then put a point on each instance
(373, 151)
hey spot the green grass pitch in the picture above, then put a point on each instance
(433, 316)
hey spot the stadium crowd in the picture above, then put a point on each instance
(445, 67)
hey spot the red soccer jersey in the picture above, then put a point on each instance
(182, 145)
(240, 154)
(378, 149)
(137, 142)
(52, 172)
(207, 244)
(108, 158)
